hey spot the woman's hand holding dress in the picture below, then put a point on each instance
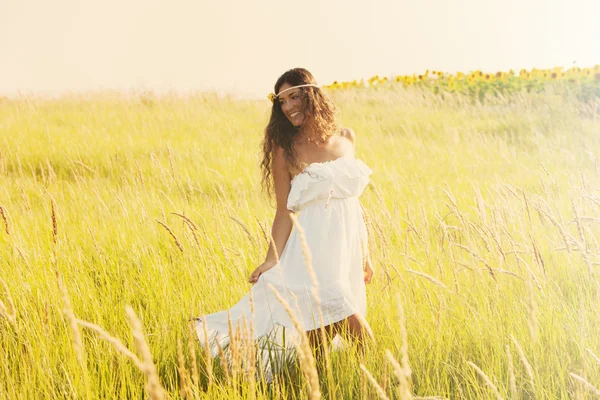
(262, 268)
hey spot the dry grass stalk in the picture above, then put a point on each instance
(378, 388)
(384, 378)
(22, 255)
(585, 384)
(4, 216)
(504, 271)
(190, 224)
(488, 266)
(591, 219)
(315, 290)
(51, 172)
(245, 229)
(54, 221)
(531, 274)
(593, 355)
(25, 199)
(140, 176)
(207, 356)
(526, 206)
(428, 277)
(251, 359)
(483, 234)
(380, 198)
(404, 388)
(234, 347)
(558, 226)
(171, 162)
(445, 236)
(262, 229)
(307, 361)
(411, 226)
(579, 225)
(223, 361)
(184, 387)
(365, 325)
(187, 220)
(248, 360)
(116, 342)
(380, 233)
(172, 235)
(8, 311)
(368, 221)
(153, 386)
(223, 248)
(453, 207)
(250, 351)
(486, 380)
(160, 167)
(511, 374)
(494, 235)
(364, 389)
(47, 315)
(192, 353)
(68, 310)
(537, 255)
(532, 311)
(404, 337)
(526, 364)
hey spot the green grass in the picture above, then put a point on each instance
(498, 202)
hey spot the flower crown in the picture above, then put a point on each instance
(273, 96)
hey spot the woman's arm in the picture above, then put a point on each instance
(282, 223)
(282, 226)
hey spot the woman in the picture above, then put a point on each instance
(308, 161)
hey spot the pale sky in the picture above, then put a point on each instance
(51, 46)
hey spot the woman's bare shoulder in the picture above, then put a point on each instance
(278, 151)
(348, 134)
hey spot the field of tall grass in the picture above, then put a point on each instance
(122, 216)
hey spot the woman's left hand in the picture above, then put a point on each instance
(368, 271)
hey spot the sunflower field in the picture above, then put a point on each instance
(585, 81)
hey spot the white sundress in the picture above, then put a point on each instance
(325, 197)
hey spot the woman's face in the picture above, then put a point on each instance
(292, 104)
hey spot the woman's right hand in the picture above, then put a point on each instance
(262, 268)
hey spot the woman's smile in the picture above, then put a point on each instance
(295, 115)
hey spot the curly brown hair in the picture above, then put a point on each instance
(320, 119)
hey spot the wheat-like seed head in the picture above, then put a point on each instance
(184, 379)
(153, 386)
(8, 311)
(511, 374)
(380, 392)
(399, 371)
(172, 235)
(207, 355)
(54, 221)
(486, 380)
(585, 383)
(3, 215)
(524, 361)
(68, 310)
(307, 361)
(192, 353)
